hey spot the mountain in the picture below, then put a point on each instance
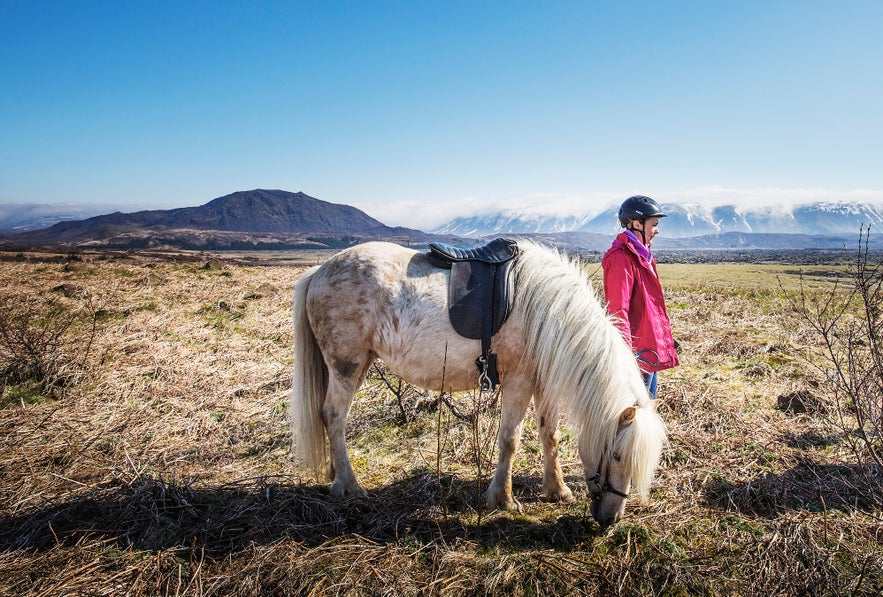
(510, 221)
(275, 219)
(259, 218)
(686, 220)
(246, 211)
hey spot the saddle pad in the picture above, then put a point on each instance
(478, 291)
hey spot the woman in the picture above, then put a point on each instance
(634, 293)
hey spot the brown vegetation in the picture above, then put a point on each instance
(162, 467)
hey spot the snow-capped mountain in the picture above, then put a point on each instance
(511, 221)
(687, 220)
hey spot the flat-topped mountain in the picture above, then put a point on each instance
(260, 218)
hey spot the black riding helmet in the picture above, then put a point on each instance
(638, 207)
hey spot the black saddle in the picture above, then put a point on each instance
(480, 294)
(499, 250)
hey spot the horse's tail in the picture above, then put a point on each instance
(308, 386)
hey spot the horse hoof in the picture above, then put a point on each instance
(342, 490)
(563, 495)
(514, 506)
(507, 504)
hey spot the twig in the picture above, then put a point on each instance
(438, 436)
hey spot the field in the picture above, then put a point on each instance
(144, 450)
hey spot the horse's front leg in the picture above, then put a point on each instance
(334, 414)
(554, 487)
(516, 397)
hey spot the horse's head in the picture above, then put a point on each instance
(628, 463)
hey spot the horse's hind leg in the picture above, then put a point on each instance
(344, 378)
(554, 487)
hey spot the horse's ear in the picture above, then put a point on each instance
(627, 417)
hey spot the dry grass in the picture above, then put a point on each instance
(165, 469)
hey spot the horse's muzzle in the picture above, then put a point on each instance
(603, 521)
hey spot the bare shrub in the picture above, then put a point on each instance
(478, 410)
(44, 343)
(849, 321)
(409, 398)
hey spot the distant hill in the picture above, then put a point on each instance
(259, 218)
(763, 240)
(727, 241)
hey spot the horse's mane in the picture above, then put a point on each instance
(640, 444)
(582, 358)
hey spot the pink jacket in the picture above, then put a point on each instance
(634, 297)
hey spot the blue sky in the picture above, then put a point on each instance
(397, 107)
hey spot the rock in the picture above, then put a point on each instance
(261, 291)
(72, 290)
(152, 279)
(800, 402)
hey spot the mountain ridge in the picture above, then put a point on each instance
(280, 220)
(686, 220)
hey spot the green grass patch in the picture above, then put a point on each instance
(22, 395)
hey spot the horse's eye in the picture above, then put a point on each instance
(617, 456)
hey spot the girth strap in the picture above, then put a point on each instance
(488, 377)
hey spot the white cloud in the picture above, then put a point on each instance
(427, 215)
(768, 196)
(14, 214)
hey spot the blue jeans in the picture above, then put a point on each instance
(652, 381)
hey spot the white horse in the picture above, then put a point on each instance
(558, 346)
